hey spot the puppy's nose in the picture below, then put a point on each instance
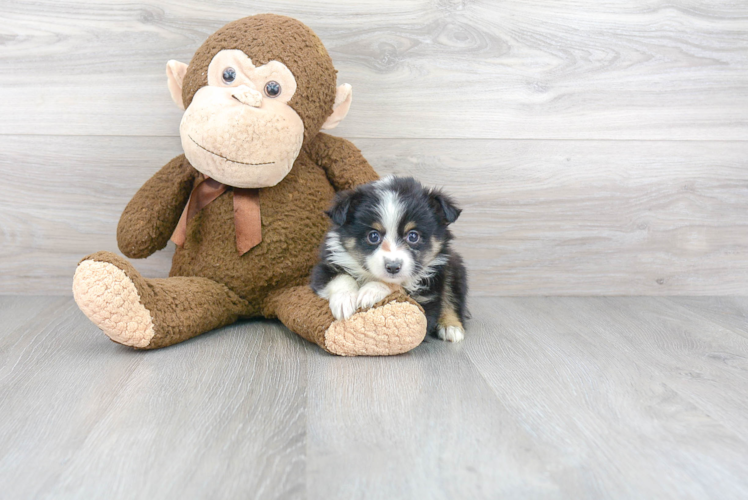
(393, 266)
(248, 96)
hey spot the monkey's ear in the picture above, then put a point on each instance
(175, 72)
(343, 98)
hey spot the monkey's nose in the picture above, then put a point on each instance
(248, 96)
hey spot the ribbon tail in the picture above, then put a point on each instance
(204, 192)
(180, 232)
(247, 219)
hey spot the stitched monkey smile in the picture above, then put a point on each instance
(227, 159)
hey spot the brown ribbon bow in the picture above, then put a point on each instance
(246, 213)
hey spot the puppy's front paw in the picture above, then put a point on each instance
(450, 333)
(371, 293)
(343, 304)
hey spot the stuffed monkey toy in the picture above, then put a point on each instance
(245, 203)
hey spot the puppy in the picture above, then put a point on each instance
(388, 234)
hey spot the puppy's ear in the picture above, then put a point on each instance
(341, 207)
(444, 206)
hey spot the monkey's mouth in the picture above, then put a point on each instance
(223, 157)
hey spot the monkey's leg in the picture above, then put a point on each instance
(392, 326)
(150, 313)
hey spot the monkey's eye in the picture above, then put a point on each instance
(272, 89)
(413, 237)
(373, 237)
(229, 75)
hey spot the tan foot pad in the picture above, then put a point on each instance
(110, 300)
(393, 328)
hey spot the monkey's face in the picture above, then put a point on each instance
(247, 113)
(239, 129)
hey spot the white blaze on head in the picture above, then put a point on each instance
(391, 212)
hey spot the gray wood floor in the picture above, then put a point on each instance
(546, 398)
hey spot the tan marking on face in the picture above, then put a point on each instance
(409, 226)
(436, 247)
(378, 227)
(352, 251)
(386, 245)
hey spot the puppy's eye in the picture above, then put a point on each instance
(374, 237)
(229, 75)
(272, 89)
(413, 237)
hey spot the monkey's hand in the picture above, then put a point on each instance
(153, 213)
(343, 163)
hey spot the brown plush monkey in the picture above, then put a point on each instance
(245, 203)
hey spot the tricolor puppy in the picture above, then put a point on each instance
(390, 233)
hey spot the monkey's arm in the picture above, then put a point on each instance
(153, 213)
(344, 164)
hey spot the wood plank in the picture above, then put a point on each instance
(541, 217)
(704, 362)
(222, 415)
(555, 70)
(728, 312)
(590, 217)
(420, 425)
(17, 311)
(63, 200)
(582, 377)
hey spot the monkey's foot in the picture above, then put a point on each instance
(112, 302)
(391, 327)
